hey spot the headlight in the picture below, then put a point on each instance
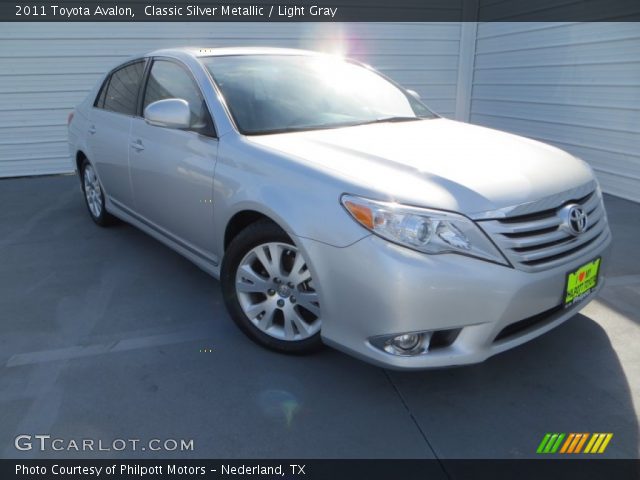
(421, 229)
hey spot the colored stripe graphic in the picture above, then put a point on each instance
(598, 443)
(581, 443)
(574, 442)
(565, 447)
(605, 443)
(556, 445)
(550, 443)
(544, 441)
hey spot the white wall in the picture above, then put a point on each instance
(47, 68)
(574, 85)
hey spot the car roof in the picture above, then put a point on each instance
(222, 51)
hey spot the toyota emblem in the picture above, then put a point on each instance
(574, 219)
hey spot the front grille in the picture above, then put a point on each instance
(535, 241)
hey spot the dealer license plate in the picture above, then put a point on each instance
(581, 282)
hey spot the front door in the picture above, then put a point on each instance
(172, 170)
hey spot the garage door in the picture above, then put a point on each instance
(47, 68)
(573, 85)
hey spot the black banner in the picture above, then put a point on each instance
(322, 469)
(320, 11)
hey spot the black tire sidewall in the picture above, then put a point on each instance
(257, 234)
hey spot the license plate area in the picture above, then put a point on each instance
(581, 282)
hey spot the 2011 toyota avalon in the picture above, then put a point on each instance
(334, 206)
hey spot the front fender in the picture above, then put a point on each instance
(305, 202)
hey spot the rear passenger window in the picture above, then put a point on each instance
(99, 103)
(122, 91)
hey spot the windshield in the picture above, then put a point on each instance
(279, 93)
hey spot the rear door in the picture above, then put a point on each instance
(109, 129)
(172, 170)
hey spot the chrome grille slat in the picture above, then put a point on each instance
(592, 202)
(568, 258)
(541, 239)
(524, 226)
(537, 240)
(524, 242)
(571, 243)
(595, 215)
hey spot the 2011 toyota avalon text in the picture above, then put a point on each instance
(336, 208)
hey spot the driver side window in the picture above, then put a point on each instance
(169, 80)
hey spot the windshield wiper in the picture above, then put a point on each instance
(332, 126)
(388, 120)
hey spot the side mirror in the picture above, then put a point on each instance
(170, 113)
(414, 94)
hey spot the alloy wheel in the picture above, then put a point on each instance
(92, 191)
(275, 291)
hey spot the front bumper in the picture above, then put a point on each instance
(373, 288)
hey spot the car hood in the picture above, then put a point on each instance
(436, 163)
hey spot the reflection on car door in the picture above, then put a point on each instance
(172, 170)
(109, 128)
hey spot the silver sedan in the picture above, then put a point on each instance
(336, 208)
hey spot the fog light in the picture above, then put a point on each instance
(406, 344)
(415, 343)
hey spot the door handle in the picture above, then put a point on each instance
(92, 129)
(137, 145)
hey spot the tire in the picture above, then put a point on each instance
(271, 303)
(94, 195)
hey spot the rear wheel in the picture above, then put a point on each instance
(269, 291)
(94, 196)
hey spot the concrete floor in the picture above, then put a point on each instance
(102, 332)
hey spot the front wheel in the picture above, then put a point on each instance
(269, 291)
